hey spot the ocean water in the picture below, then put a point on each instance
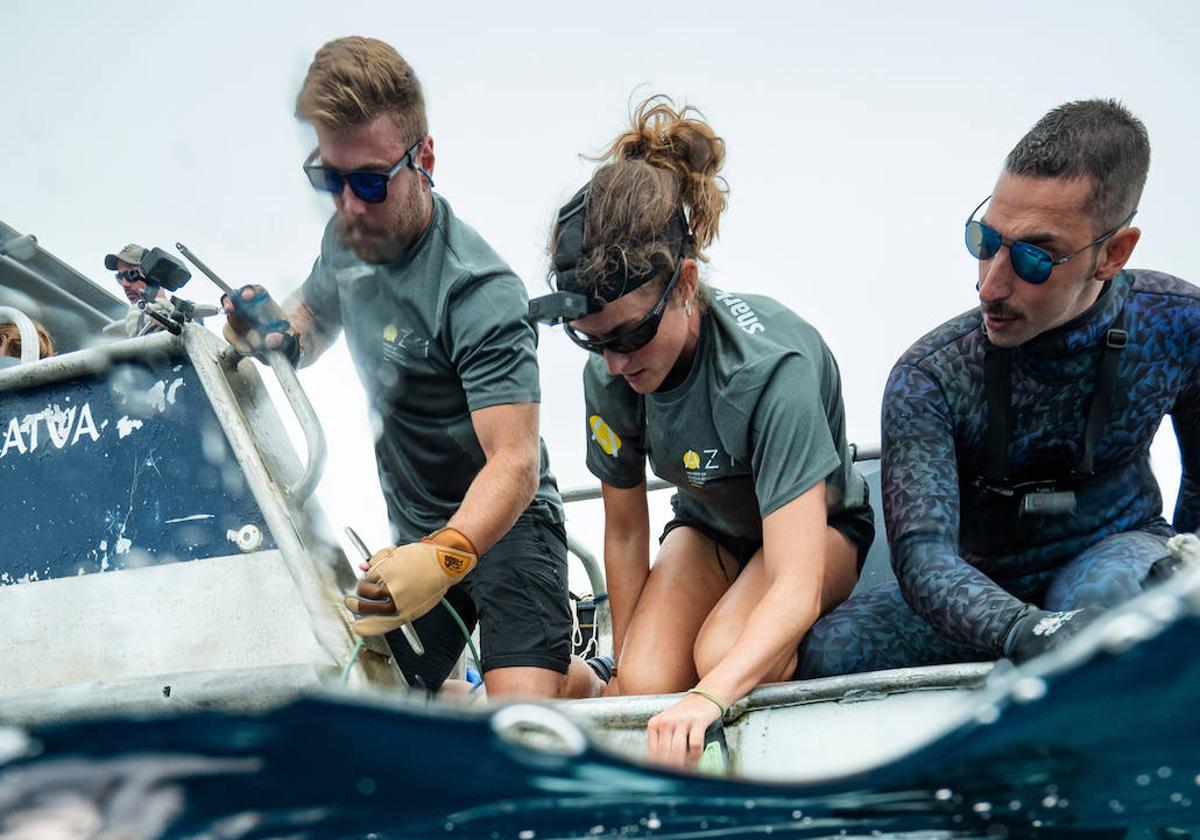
(1108, 747)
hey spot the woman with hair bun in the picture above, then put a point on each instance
(736, 401)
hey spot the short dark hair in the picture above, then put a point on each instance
(1098, 139)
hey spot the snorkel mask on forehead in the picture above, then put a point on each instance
(576, 299)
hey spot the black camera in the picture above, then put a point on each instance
(1048, 503)
(558, 307)
(164, 270)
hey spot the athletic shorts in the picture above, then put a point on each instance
(856, 524)
(518, 596)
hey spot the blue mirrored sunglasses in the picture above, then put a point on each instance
(371, 187)
(1031, 263)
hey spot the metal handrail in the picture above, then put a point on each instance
(586, 494)
(314, 435)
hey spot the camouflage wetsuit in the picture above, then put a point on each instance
(966, 562)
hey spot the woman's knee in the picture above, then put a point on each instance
(714, 644)
(709, 650)
(646, 675)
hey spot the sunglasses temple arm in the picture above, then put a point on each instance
(422, 170)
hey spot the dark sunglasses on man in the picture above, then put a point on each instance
(371, 187)
(1031, 263)
(130, 275)
(632, 338)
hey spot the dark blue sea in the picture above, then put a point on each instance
(1110, 748)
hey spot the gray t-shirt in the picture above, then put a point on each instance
(757, 423)
(435, 336)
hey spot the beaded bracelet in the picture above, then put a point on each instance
(712, 698)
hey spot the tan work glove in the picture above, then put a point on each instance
(416, 575)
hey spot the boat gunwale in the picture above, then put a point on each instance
(633, 712)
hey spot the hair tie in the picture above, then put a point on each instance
(712, 698)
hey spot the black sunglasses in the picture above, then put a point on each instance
(1031, 263)
(635, 337)
(130, 275)
(371, 187)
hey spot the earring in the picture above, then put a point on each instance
(687, 308)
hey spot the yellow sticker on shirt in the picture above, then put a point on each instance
(691, 460)
(609, 441)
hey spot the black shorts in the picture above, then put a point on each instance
(517, 594)
(855, 524)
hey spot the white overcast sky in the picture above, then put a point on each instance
(859, 137)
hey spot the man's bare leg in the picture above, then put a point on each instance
(543, 683)
(523, 683)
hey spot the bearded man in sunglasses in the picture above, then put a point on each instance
(1017, 488)
(435, 322)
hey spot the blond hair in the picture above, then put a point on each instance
(10, 341)
(353, 80)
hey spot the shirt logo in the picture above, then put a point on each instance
(400, 344)
(746, 317)
(608, 440)
(700, 466)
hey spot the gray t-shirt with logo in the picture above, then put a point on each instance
(757, 423)
(434, 336)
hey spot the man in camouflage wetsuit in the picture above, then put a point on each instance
(1017, 486)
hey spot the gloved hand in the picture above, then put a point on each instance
(1039, 631)
(1183, 553)
(255, 324)
(414, 578)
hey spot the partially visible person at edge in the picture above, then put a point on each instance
(1017, 488)
(10, 343)
(736, 401)
(127, 264)
(435, 322)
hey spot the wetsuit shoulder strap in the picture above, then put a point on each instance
(1106, 379)
(997, 375)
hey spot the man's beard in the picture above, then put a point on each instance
(382, 246)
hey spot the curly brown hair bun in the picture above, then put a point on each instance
(668, 159)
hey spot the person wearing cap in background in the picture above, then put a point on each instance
(127, 263)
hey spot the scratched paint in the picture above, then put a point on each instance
(120, 470)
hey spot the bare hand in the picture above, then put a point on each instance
(675, 736)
